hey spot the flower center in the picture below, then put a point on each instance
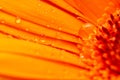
(108, 42)
(100, 45)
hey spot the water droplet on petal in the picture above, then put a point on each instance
(86, 30)
(78, 17)
(2, 21)
(36, 40)
(60, 28)
(39, 5)
(18, 20)
(81, 56)
(52, 44)
(0, 7)
(27, 29)
(48, 26)
(42, 41)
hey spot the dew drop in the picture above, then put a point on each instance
(42, 41)
(78, 18)
(39, 5)
(18, 20)
(88, 25)
(27, 29)
(60, 28)
(2, 21)
(82, 56)
(0, 7)
(52, 44)
(48, 26)
(86, 30)
(36, 40)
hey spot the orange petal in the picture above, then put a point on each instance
(30, 61)
(45, 14)
(36, 33)
(94, 9)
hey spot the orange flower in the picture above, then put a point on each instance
(59, 39)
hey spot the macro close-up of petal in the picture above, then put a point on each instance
(59, 40)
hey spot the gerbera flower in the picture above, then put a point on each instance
(59, 39)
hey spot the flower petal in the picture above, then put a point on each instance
(36, 33)
(45, 14)
(29, 60)
(94, 9)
